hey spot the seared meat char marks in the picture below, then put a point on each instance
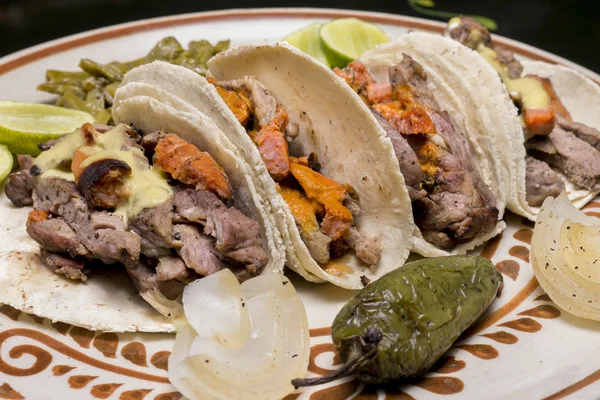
(451, 203)
(73, 228)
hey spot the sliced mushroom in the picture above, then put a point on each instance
(103, 182)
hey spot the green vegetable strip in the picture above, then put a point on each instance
(93, 89)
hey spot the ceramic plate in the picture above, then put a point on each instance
(524, 347)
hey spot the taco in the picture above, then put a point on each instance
(553, 143)
(162, 198)
(320, 156)
(458, 201)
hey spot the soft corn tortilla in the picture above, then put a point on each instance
(437, 55)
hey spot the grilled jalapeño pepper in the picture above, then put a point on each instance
(398, 326)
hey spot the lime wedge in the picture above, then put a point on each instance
(25, 125)
(307, 39)
(346, 39)
(6, 162)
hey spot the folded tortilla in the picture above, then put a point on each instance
(350, 145)
(108, 300)
(437, 55)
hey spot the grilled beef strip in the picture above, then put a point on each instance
(19, 188)
(542, 181)
(60, 196)
(55, 235)
(197, 250)
(369, 251)
(238, 237)
(577, 159)
(143, 276)
(583, 132)
(72, 268)
(155, 228)
(459, 205)
(107, 220)
(407, 159)
(264, 103)
(171, 267)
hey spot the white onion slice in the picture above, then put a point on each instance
(565, 254)
(267, 356)
(218, 295)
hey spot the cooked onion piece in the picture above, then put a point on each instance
(565, 254)
(237, 341)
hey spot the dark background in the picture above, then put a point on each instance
(570, 29)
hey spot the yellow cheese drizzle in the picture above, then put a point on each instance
(148, 186)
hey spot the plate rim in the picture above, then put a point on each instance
(40, 51)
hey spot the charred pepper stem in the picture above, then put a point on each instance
(359, 351)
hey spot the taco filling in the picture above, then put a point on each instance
(451, 203)
(323, 209)
(157, 205)
(556, 145)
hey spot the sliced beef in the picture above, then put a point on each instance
(238, 237)
(150, 141)
(541, 181)
(577, 159)
(197, 250)
(19, 188)
(72, 268)
(507, 57)
(155, 228)
(583, 132)
(409, 73)
(55, 235)
(367, 250)
(409, 163)
(459, 206)
(171, 267)
(107, 220)
(265, 104)
(143, 276)
(61, 197)
(318, 245)
(468, 31)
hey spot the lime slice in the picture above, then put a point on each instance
(346, 39)
(25, 125)
(6, 162)
(307, 39)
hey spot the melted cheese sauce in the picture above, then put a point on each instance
(529, 91)
(148, 186)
